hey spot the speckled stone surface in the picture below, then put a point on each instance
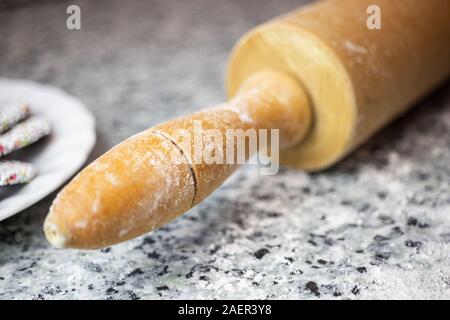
(375, 226)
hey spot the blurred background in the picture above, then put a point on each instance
(131, 61)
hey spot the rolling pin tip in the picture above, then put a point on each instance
(54, 235)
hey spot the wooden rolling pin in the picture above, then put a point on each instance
(318, 74)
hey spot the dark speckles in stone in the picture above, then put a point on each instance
(413, 244)
(297, 272)
(91, 287)
(164, 271)
(290, 259)
(361, 269)
(51, 290)
(191, 273)
(214, 249)
(445, 237)
(255, 235)
(312, 286)
(382, 195)
(33, 264)
(111, 290)
(261, 253)
(396, 232)
(282, 185)
(133, 296)
(239, 222)
(180, 257)
(321, 261)
(120, 283)
(148, 241)
(412, 221)
(236, 272)
(386, 220)
(315, 238)
(153, 255)
(423, 225)
(355, 290)
(423, 176)
(106, 250)
(162, 288)
(414, 200)
(274, 214)
(191, 218)
(346, 202)
(333, 289)
(242, 206)
(337, 293)
(364, 207)
(382, 256)
(94, 267)
(378, 238)
(135, 273)
(265, 197)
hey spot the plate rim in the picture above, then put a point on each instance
(92, 135)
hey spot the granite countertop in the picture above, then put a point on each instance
(375, 226)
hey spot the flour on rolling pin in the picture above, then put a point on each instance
(319, 75)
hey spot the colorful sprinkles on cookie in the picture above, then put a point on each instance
(10, 115)
(23, 135)
(15, 172)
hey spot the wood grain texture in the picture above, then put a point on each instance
(358, 79)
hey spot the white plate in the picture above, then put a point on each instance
(58, 156)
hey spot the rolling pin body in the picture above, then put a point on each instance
(358, 79)
(318, 74)
(153, 177)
